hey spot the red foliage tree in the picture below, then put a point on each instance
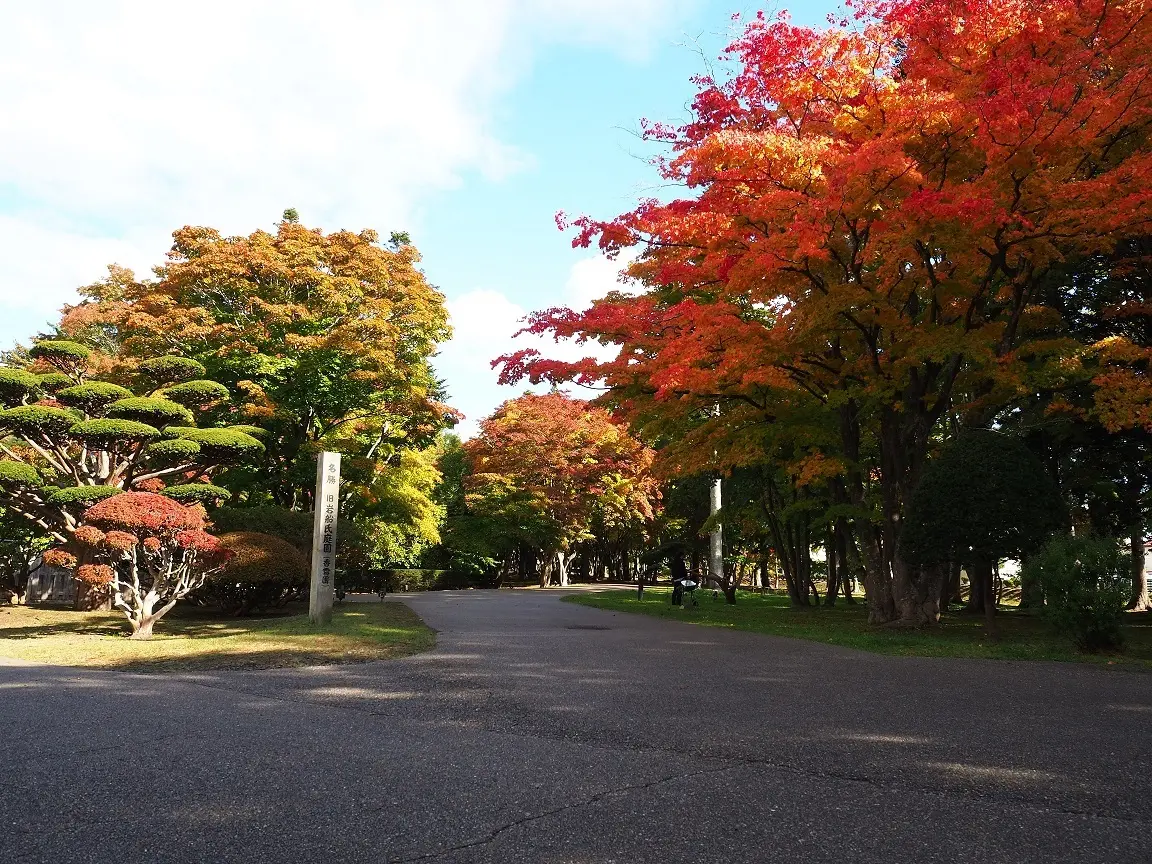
(875, 207)
(544, 468)
(152, 552)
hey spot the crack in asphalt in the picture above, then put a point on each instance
(103, 748)
(525, 820)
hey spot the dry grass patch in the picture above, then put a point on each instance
(189, 640)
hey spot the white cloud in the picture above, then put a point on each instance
(484, 322)
(120, 121)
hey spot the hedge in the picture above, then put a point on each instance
(433, 580)
(289, 525)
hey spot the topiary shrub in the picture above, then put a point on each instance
(262, 572)
(59, 352)
(224, 445)
(106, 432)
(144, 513)
(92, 396)
(174, 432)
(197, 394)
(254, 431)
(53, 382)
(149, 409)
(155, 552)
(16, 385)
(169, 369)
(19, 474)
(82, 495)
(1086, 583)
(197, 493)
(174, 450)
(38, 420)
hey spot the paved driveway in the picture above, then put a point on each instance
(545, 732)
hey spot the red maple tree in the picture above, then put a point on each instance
(873, 208)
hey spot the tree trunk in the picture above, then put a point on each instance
(950, 588)
(1140, 602)
(981, 572)
(848, 572)
(832, 588)
(975, 591)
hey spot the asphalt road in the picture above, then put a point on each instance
(540, 731)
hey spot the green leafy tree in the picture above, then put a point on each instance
(327, 337)
(985, 497)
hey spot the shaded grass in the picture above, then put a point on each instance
(188, 639)
(1020, 636)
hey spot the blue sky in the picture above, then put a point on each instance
(467, 124)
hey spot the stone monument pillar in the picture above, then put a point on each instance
(325, 514)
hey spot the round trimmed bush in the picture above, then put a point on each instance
(225, 445)
(194, 394)
(150, 409)
(174, 450)
(177, 431)
(197, 493)
(83, 495)
(170, 369)
(262, 571)
(262, 558)
(59, 351)
(13, 473)
(107, 432)
(53, 382)
(254, 431)
(38, 420)
(144, 513)
(16, 384)
(93, 395)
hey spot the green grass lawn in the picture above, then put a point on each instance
(189, 639)
(1020, 636)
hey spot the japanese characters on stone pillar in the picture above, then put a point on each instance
(325, 514)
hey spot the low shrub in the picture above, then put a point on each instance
(433, 580)
(262, 572)
(1086, 582)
